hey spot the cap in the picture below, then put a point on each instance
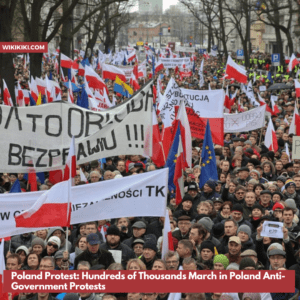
(266, 192)
(130, 166)
(235, 239)
(184, 218)
(139, 225)
(207, 223)
(249, 252)
(59, 254)
(192, 186)
(150, 245)
(93, 239)
(247, 262)
(55, 239)
(138, 241)
(278, 205)
(276, 252)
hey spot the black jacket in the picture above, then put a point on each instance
(177, 235)
(145, 237)
(20, 240)
(104, 258)
(230, 197)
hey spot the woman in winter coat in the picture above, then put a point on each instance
(224, 213)
(80, 246)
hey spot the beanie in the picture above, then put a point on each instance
(207, 223)
(113, 230)
(281, 178)
(150, 245)
(221, 258)
(211, 183)
(246, 229)
(23, 248)
(55, 240)
(256, 205)
(278, 205)
(187, 198)
(38, 241)
(207, 245)
(290, 203)
(237, 207)
(247, 262)
(290, 182)
(233, 266)
(218, 230)
(279, 194)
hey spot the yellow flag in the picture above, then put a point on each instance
(39, 100)
(216, 251)
(124, 85)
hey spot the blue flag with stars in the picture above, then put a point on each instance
(270, 77)
(172, 158)
(208, 162)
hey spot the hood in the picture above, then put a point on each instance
(51, 230)
(271, 165)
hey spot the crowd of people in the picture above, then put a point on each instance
(217, 227)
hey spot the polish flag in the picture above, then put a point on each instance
(111, 72)
(167, 133)
(52, 208)
(70, 93)
(135, 71)
(75, 65)
(87, 89)
(20, 96)
(293, 63)
(65, 61)
(56, 65)
(240, 109)
(297, 88)
(262, 102)
(106, 99)
(159, 66)
(73, 76)
(131, 56)
(81, 70)
(158, 157)
(62, 75)
(6, 95)
(94, 80)
(26, 96)
(235, 71)
(33, 89)
(295, 124)
(167, 243)
(134, 82)
(70, 168)
(49, 87)
(275, 109)
(82, 176)
(227, 102)
(178, 176)
(270, 138)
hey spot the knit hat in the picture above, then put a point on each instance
(130, 166)
(207, 245)
(38, 241)
(55, 240)
(187, 198)
(221, 258)
(246, 229)
(290, 203)
(281, 178)
(256, 172)
(247, 262)
(248, 252)
(207, 223)
(275, 249)
(71, 296)
(211, 183)
(233, 266)
(278, 193)
(248, 143)
(113, 230)
(218, 230)
(237, 207)
(150, 245)
(278, 205)
(25, 249)
(290, 182)
(256, 205)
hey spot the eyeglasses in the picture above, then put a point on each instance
(172, 262)
(52, 245)
(241, 193)
(45, 266)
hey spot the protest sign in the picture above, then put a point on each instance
(40, 136)
(246, 121)
(132, 196)
(262, 88)
(171, 63)
(296, 147)
(272, 229)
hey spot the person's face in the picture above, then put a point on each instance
(265, 198)
(57, 233)
(252, 140)
(148, 296)
(90, 228)
(263, 159)
(158, 265)
(138, 232)
(134, 266)
(38, 249)
(297, 181)
(243, 174)
(256, 213)
(22, 255)
(32, 261)
(243, 236)
(218, 266)
(82, 230)
(187, 205)
(189, 267)
(234, 248)
(291, 189)
(222, 178)
(236, 215)
(133, 296)
(207, 189)
(267, 168)
(232, 187)
(113, 240)
(84, 295)
(277, 261)
(193, 193)
(51, 248)
(138, 249)
(225, 166)
(206, 254)
(134, 158)
(284, 160)
(12, 178)
(216, 296)
(226, 210)
(181, 250)
(12, 264)
(121, 166)
(82, 245)
(217, 205)
(122, 222)
(230, 229)
(20, 176)
(278, 213)
(108, 175)
(46, 265)
(250, 199)
(194, 235)
(184, 226)
(172, 263)
(94, 178)
(93, 248)
(148, 254)
(203, 210)
(276, 198)
(240, 194)
(288, 217)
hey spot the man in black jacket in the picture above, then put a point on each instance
(113, 243)
(93, 254)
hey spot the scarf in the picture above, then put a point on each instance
(293, 196)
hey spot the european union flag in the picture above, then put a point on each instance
(270, 77)
(16, 187)
(85, 62)
(31, 100)
(172, 158)
(82, 100)
(208, 162)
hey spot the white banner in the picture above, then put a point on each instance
(185, 49)
(132, 196)
(171, 63)
(246, 121)
(40, 136)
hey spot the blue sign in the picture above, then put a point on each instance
(275, 58)
(240, 53)
(160, 33)
(202, 51)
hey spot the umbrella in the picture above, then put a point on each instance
(75, 89)
(280, 86)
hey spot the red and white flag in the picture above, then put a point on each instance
(49, 87)
(70, 93)
(131, 56)
(262, 102)
(33, 89)
(158, 157)
(133, 81)
(159, 66)
(228, 102)
(167, 133)
(62, 76)
(295, 124)
(70, 168)
(20, 96)
(235, 71)
(293, 63)
(167, 236)
(178, 173)
(73, 76)
(297, 88)
(270, 138)
(275, 109)
(82, 176)
(81, 70)
(65, 61)
(6, 95)
(3, 296)
(111, 72)
(94, 80)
